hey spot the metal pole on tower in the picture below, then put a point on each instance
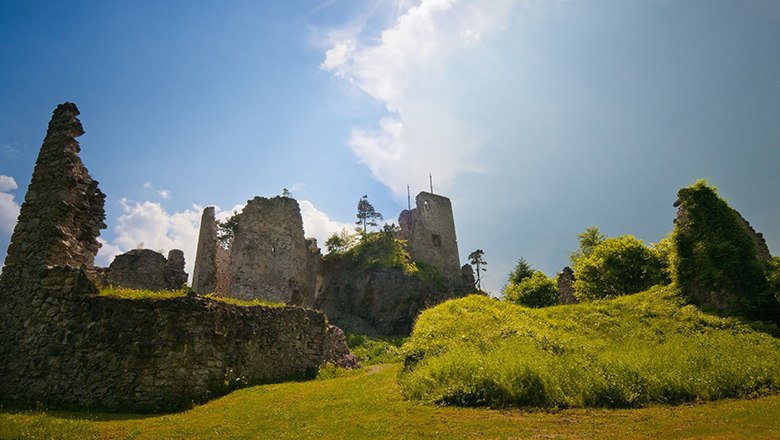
(408, 198)
(430, 176)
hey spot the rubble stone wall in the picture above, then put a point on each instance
(270, 258)
(147, 269)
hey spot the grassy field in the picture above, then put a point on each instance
(368, 404)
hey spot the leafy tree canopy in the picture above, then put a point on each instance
(536, 290)
(366, 214)
(587, 241)
(521, 271)
(615, 267)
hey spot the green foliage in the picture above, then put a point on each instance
(375, 350)
(521, 271)
(477, 259)
(366, 214)
(533, 291)
(773, 276)
(630, 351)
(376, 249)
(588, 240)
(614, 267)
(340, 242)
(227, 229)
(715, 262)
(140, 294)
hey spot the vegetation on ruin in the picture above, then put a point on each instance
(636, 350)
(227, 229)
(142, 294)
(139, 294)
(369, 404)
(713, 253)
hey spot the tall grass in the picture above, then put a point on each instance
(631, 351)
(143, 294)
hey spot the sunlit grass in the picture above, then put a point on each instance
(143, 294)
(641, 349)
(369, 405)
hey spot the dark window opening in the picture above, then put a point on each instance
(426, 204)
(436, 240)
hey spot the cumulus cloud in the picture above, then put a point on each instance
(9, 209)
(409, 68)
(318, 224)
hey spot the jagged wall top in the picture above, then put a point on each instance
(62, 213)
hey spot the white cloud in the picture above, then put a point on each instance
(164, 193)
(412, 69)
(318, 224)
(9, 209)
(7, 183)
(148, 185)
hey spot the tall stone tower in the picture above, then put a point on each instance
(429, 230)
(62, 213)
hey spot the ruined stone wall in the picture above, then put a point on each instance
(566, 287)
(140, 355)
(430, 233)
(204, 273)
(269, 256)
(147, 269)
(62, 345)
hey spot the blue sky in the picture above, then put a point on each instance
(537, 118)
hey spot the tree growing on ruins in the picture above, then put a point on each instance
(340, 241)
(521, 271)
(227, 229)
(366, 214)
(477, 260)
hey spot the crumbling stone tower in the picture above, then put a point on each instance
(62, 213)
(429, 230)
(270, 258)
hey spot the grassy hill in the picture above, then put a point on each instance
(640, 349)
(368, 404)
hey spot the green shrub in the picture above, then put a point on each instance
(535, 290)
(715, 262)
(375, 350)
(634, 350)
(615, 267)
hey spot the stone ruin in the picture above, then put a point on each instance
(429, 231)
(63, 345)
(269, 258)
(566, 287)
(146, 269)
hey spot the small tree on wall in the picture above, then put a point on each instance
(366, 214)
(477, 260)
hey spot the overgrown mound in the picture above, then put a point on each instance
(630, 351)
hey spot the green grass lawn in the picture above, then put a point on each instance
(368, 404)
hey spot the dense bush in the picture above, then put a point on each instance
(375, 350)
(535, 290)
(634, 350)
(715, 262)
(615, 267)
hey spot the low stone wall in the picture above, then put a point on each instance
(66, 349)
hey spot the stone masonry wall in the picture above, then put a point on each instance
(269, 256)
(566, 287)
(147, 269)
(64, 346)
(430, 233)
